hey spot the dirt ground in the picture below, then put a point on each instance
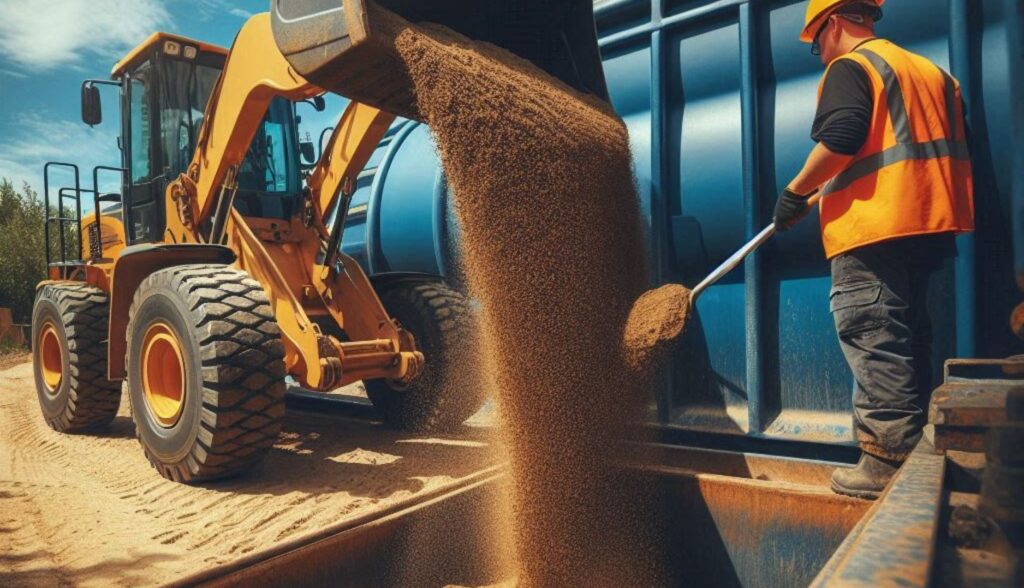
(90, 511)
(9, 359)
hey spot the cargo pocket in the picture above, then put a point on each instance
(856, 308)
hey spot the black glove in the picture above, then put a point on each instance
(789, 209)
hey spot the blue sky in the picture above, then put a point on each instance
(47, 49)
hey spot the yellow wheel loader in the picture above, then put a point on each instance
(217, 270)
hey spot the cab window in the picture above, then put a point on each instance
(140, 125)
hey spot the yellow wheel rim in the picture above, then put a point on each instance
(51, 359)
(163, 374)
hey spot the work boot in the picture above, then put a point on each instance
(867, 479)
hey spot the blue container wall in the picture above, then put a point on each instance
(718, 98)
(400, 219)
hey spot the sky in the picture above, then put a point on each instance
(48, 48)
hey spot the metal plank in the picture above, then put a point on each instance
(895, 545)
(966, 404)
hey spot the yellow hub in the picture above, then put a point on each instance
(163, 374)
(51, 359)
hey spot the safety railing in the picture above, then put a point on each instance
(96, 245)
(60, 219)
(72, 214)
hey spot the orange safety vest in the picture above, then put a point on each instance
(913, 174)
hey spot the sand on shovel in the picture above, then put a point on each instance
(655, 322)
(552, 243)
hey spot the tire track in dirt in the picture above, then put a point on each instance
(89, 510)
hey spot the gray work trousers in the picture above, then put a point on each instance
(879, 304)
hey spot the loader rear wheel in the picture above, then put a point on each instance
(205, 371)
(69, 357)
(450, 388)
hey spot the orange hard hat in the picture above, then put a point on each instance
(819, 10)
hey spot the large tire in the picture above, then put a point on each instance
(450, 389)
(205, 371)
(69, 357)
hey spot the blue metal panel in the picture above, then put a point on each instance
(992, 121)
(632, 100)
(804, 398)
(959, 49)
(752, 203)
(718, 97)
(1015, 41)
(707, 215)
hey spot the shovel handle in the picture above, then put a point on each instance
(736, 258)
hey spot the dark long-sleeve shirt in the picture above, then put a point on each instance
(844, 110)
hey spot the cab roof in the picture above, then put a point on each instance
(157, 39)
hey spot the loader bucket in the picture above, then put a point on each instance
(345, 46)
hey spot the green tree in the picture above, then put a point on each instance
(22, 247)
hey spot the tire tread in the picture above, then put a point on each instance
(437, 401)
(93, 400)
(243, 370)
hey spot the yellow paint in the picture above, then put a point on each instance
(351, 144)
(156, 40)
(163, 374)
(255, 73)
(112, 239)
(51, 358)
(281, 255)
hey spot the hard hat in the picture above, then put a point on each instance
(819, 10)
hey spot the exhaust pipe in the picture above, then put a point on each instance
(346, 46)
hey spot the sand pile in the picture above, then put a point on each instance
(552, 245)
(88, 510)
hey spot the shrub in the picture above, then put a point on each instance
(22, 251)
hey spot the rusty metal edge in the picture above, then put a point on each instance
(753, 484)
(336, 532)
(809, 472)
(848, 544)
(897, 538)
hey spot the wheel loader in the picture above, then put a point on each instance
(216, 270)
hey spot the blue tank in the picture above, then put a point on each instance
(718, 97)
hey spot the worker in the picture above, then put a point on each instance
(892, 166)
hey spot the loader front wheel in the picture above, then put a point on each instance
(451, 388)
(69, 357)
(205, 371)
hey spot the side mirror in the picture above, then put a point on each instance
(307, 152)
(319, 104)
(92, 110)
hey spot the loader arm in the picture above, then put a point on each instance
(285, 257)
(254, 74)
(351, 144)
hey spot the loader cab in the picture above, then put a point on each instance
(165, 86)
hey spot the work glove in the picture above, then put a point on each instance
(789, 209)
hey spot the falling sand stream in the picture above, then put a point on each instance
(552, 245)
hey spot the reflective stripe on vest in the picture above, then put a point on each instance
(905, 149)
(913, 175)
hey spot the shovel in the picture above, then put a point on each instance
(659, 316)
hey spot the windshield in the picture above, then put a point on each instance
(270, 166)
(184, 91)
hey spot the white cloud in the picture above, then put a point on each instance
(12, 73)
(208, 10)
(40, 139)
(41, 38)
